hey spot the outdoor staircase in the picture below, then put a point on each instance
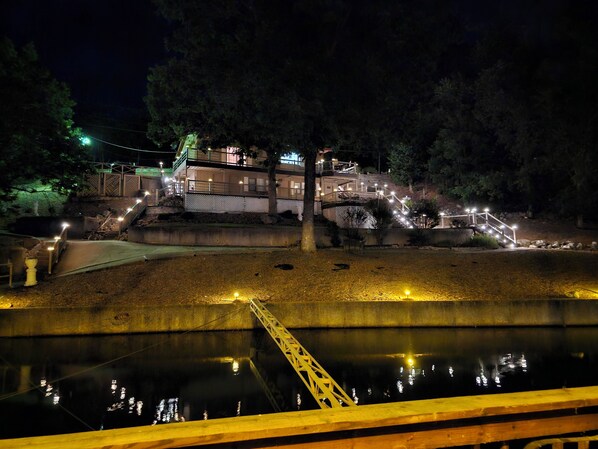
(483, 223)
(400, 210)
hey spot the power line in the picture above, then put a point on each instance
(128, 148)
(113, 127)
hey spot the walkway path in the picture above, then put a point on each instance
(85, 255)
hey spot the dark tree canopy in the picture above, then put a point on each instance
(37, 140)
(278, 76)
(489, 103)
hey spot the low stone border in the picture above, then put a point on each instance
(237, 316)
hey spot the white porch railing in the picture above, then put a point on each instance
(241, 189)
(335, 167)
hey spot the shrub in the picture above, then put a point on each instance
(417, 237)
(382, 218)
(482, 241)
(426, 213)
(333, 231)
(355, 217)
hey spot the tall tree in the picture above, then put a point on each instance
(259, 74)
(38, 142)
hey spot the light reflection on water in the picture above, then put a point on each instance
(61, 385)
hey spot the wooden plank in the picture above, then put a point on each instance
(350, 420)
(450, 437)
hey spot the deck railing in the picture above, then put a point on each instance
(337, 168)
(427, 424)
(241, 189)
(232, 159)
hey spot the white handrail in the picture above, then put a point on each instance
(486, 223)
(400, 209)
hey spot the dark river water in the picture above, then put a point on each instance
(62, 385)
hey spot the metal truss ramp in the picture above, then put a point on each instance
(327, 393)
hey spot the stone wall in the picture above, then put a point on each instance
(237, 316)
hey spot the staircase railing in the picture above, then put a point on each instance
(57, 247)
(485, 223)
(132, 213)
(400, 209)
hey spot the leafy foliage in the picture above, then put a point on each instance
(406, 164)
(518, 127)
(382, 218)
(418, 237)
(482, 241)
(425, 212)
(279, 76)
(37, 138)
(354, 217)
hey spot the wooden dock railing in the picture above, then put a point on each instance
(432, 423)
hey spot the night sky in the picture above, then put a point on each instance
(101, 48)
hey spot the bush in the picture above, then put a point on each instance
(417, 237)
(426, 213)
(333, 231)
(482, 241)
(382, 218)
(355, 217)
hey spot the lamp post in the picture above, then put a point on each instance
(50, 251)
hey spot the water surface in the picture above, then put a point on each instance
(71, 384)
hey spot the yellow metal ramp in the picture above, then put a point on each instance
(327, 393)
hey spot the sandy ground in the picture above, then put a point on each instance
(328, 275)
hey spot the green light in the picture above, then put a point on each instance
(85, 140)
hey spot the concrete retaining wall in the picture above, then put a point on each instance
(277, 236)
(237, 316)
(266, 236)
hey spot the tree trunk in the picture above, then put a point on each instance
(308, 236)
(272, 198)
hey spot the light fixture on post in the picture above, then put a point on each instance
(50, 251)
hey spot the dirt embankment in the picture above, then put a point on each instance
(328, 275)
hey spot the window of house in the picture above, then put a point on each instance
(296, 187)
(251, 184)
(255, 185)
(261, 185)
